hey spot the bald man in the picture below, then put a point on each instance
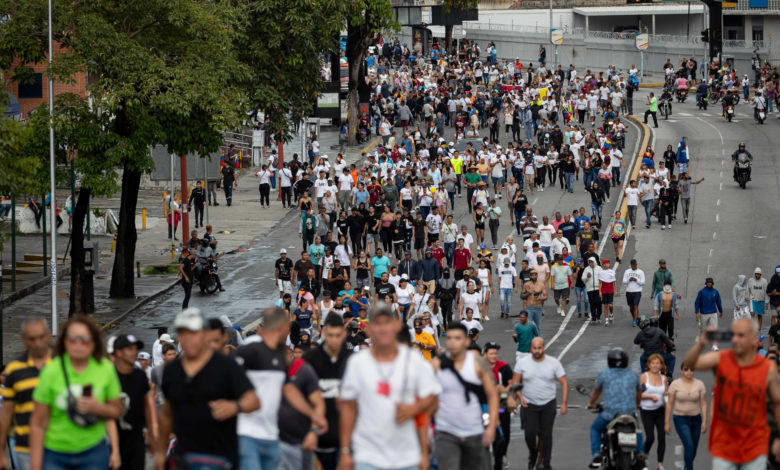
(538, 374)
(739, 433)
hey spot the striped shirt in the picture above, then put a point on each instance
(20, 381)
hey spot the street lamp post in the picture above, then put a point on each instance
(52, 182)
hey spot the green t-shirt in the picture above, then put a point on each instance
(560, 276)
(653, 104)
(457, 164)
(472, 178)
(62, 435)
(525, 333)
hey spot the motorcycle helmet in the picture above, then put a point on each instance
(742, 145)
(643, 322)
(654, 321)
(617, 358)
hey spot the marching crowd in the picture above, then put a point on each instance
(371, 358)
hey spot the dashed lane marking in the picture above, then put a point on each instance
(561, 328)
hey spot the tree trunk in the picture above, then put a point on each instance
(77, 268)
(122, 280)
(448, 38)
(2, 333)
(357, 43)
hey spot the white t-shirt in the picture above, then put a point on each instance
(321, 185)
(434, 222)
(378, 387)
(405, 295)
(472, 324)
(616, 157)
(539, 378)
(265, 176)
(546, 234)
(632, 196)
(468, 240)
(506, 274)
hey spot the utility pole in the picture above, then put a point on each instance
(52, 182)
(185, 199)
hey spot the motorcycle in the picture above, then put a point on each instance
(619, 140)
(701, 102)
(209, 279)
(681, 95)
(743, 170)
(618, 443)
(729, 113)
(665, 105)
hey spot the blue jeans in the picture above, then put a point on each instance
(452, 199)
(273, 179)
(94, 458)
(569, 181)
(582, 298)
(648, 207)
(506, 299)
(449, 251)
(599, 425)
(459, 178)
(596, 207)
(258, 454)
(689, 430)
(404, 311)
(368, 466)
(535, 315)
(746, 91)
(546, 251)
(529, 130)
(518, 217)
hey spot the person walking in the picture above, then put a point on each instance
(633, 280)
(590, 276)
(758, 298)
(502, 373)
(684, 187)
(508, 283)
(539, 373)
(198, 202)
(467, 385)
(618, 234)
(739, 437)
(493, 215)
(384, 388)
(77, 396)
(21, 378)
(264, 177)
(739, 295)
(652, 110)
(687, 409)
(647, 196)
(229, 182)
(664, 305)
(651, 406)
(660, 276)
(187, 271)
(204, 393)
(534, 294)
(707, 305)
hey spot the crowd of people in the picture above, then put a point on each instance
(371, 358)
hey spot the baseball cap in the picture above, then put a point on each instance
(418, 323)
(506, 260)
(661, 261)
(124, 341)
(190, 319)
(490, 345)
(404, 277)
(709, 279)
(757, 271)
(473, 332)
(166, 338)
(144, 356)
(283, 251)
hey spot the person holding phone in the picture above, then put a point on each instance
(738, 434)
(76, 397)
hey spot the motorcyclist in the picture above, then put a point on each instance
(728, 100)
(206, 253)
(735, 159)
(701, 90)
(652, 340)
(622, 393)
(681, 85)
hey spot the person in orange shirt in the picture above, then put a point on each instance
(424, 339)
(739, 434)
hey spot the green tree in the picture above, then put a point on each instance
(450, 5)
(366, 19)
(282, 44)
(161, 72)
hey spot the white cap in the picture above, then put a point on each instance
(404, 277)
(144, 356)
(190, 319)
(757, 271)
(166, 338)
(283, 251)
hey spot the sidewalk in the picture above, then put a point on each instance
(235, 227)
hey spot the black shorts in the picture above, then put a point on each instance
(607, 298)
(432, 237)
(419, 243)
(633, 298)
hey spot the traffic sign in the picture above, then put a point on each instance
(642, 41)
(556, 36)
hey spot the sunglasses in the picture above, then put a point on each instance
(79, 339)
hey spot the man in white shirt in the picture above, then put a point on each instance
(559, 243)
(433, 223)
(633, 280)
(383, 389)
(616, 162)
(320, 186)
(546, 231)
(468, 240)
(632, 201)
(508, 282)
(539, 373)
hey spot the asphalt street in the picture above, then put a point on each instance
(729, 233)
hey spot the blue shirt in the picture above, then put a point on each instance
(361, 197)
(580, 221)
(303, 319)
(380, 265)
(316, 252)
(708, 301)
(618, 387)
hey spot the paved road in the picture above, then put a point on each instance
(728, 234)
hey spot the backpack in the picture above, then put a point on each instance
(447, 363)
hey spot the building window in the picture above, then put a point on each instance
(32, 88)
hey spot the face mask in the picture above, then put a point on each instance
(446, 275)
(667, 289)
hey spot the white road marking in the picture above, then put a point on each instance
(716, 130)
(561, 328)
(711, 250)
(717, 218)
(533, 203)
(574, 340)
(717, 203)
(721, 173)
(708, 268)
(678, 450)
(714, 235)
(721, 186)
(679, 464)
(684, 114)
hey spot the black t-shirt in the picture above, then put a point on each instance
(371, 220)
(521, 203)
(293, 426)
(189, 397)
(284, 268)
(355, 223)
(135, 386)
(419, 228)
(774, 332)
(329, 373)
(385, 289)
(187, 262)
(302, 267)
(569, 230)
(343, 226)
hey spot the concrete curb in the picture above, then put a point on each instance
(370, 146)
(25, 291)
(650, 85)
(139, 304)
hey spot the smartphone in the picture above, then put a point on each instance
(86, 391)
(719, 336)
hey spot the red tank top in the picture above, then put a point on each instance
(739, 432)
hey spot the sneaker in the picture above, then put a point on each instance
(596, 462)
(557, 309)
(460, 195)
(647, 226)
(563, 314)
(499, 196)
(686, 221)
(662, 227)
(633, 323)
(487, 318)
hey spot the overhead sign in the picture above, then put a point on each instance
(556, 36)
(642, 41)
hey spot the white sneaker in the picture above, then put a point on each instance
(487, 318)
(563, 313)
(499, 196)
